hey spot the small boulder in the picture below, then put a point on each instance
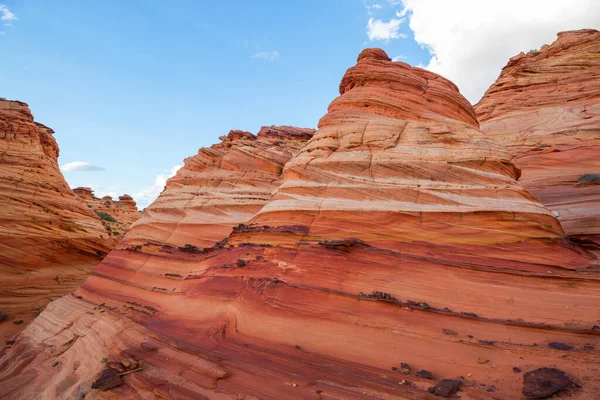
(544, 382)
(425, 374)
(446, 387)
(560, 346)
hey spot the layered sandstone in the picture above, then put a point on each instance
(218, 188)
(116, 216)
(545, 107)
(49, 239)
(398, 249)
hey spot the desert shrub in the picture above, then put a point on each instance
(105, 217)
(589, 178)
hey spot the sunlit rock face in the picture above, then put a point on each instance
(49, 239)
(116, 215)
(545, 107)
(398, 249)
(218, 188)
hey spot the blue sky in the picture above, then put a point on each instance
(133, 87)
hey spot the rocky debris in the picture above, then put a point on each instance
(378, 295)
(446, 387)
(3, 316)
(560, 346)
(425, 374)
(405, 368)
(544, 382)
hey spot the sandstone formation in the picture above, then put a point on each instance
(545, 107)
(49, 239)
(220, 187)
(116, 216)
(398, 258)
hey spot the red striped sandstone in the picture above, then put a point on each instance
(545, 107)
(399, 234)
(49, 239)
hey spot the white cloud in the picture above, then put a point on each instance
(379, 30)
(6, 15)
(147, 195)
(2, 33)
(400, 57)
(471, 40)
(80, 166)
(267, 55)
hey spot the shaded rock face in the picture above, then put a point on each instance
(49, 239)
(397, 195)
(116, 216)
(545, 107)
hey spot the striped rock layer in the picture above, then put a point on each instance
(49, 239)
(545, 107)
(398, 235)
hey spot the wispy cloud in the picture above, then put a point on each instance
(80, 166)
(6, 15)
(267, 55)
(147, 195)
(399, 58)
(380, 30)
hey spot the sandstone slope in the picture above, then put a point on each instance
(116, 216)
(49, 239)
(545, 107)
(398, 249)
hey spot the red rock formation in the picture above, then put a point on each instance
(49, 239)
(399, 247)
(117, 216)
(545, 107)
(218, 188)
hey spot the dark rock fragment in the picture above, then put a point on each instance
(560, 346)
(108, 379)
(425, 374)
(446, 387)
(544, 382)
(404, 367)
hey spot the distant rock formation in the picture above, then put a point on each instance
(397, 256)
(545, 107)
(49, 239)
(117, 216)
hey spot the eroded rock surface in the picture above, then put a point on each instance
(117, 216)
(545, 107)
(49, 239)
(397, 223)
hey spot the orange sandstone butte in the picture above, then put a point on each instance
(397, 255)
(49, 239)
(545, 108)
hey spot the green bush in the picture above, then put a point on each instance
(105, 217)
(589, 178)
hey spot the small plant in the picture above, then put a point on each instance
(105, 216)
(589, 178)
(272, 126)
(115, 233)
(89, 206)
(104, 360)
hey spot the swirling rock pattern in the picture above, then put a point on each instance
(218, 188)
(399, 240)
(49, 239)
(545, 107)
(124, 211)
